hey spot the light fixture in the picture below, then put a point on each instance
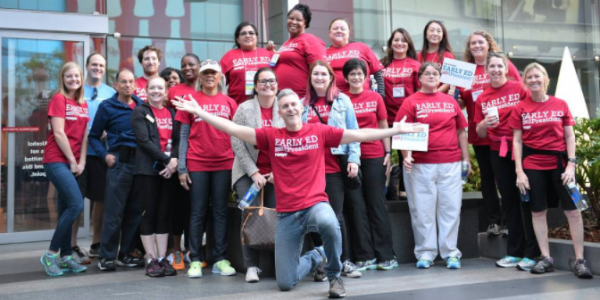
(117, 35)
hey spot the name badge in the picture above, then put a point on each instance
(274, 60)
(398, 91)
(475, 94)
(150, 118)
(250, 82)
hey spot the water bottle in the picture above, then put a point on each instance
(168, 148)
(524, 198)
(576, 196)
(249, 197)
(464, 171)
(455, 92)
(373, 84)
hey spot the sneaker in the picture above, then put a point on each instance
(137, 253)
(195, 270)
(349, 270)
(130, 261)
(494, 229)
(167, 267)
(68, 264)
(508, 262)
(504, 231)
(94, 250)
(526, 264)
(424, 263)
(50, 263)
(187, 260)
(252, 274)
(81, 256)
(453, 263)
(106, 264)
(177, 260)
(337, 288)
(543, 265)
(153, 269)
(387, 265)
(370, 264)
(320, 275)
(580, 269)
(224, 268)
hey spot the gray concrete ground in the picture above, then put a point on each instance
(22, 277)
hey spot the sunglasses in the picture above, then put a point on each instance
(209, 62)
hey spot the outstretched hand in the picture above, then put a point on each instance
(190, 106)
(404, 127)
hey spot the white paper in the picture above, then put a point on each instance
(417, 141)
(459, 73)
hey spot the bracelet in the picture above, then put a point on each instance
(388, 152)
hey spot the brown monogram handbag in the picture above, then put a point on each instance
(258, 226)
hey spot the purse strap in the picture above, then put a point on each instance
(318, 115)
(262, 202)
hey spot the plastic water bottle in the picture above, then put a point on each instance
(373, 84)
(576, 196)
(524, 198)
(249, 197)
(168, 148)
(464, 171)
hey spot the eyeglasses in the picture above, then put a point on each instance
(209, 62)
(434, 74)
(356, 74)
(95, 94)
(250, 33)
(497, 53)
(264, 82)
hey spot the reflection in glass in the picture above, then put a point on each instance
(79, 6)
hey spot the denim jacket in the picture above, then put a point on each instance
(341, 116)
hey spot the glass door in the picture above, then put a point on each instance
(29, 67)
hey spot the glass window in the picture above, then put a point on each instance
(79, 6)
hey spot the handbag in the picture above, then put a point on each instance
(258, 226)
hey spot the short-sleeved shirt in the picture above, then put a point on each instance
(76, 118)
(266, 121)
(103, 92)
(338, 56)
(295, 56)
(444, 117)
(369, 109)
(297, 159)
(181, 90)
(332, 164)
(234, 65)
(140, 88)
(164, 123)
(400, 73)
(505, 98)
(543, 125)
(434, 57)
(209, 149)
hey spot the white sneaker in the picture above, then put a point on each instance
(349, 270)
(252, 274)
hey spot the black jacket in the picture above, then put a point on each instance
(148, 141)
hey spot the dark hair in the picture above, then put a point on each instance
(428, 64)
(167, 72)
(149, 48)
(444, 43)
(389, 51)
(257, 74)
(191, 55)
(238, 29)
(87, 60)
(305, 11)
(121, 71)
(340, 19)
(353, 64)
(332, 90)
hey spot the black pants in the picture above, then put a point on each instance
(155, 198)
(372, 232)
(335, 192)
(520, 243)
(241, 187)
(213, 185)
(491, 203)
(180, 214)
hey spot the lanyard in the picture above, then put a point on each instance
(401, 71)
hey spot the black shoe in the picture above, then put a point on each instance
(543, 265)
(154, 269)
(94, 250)
(337, 288)
(128, 261)
(320, 275)
(580, 269)
(105, 264)
(167, 267)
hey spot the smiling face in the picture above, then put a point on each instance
(536, 81)
(290, 109)
(209, 79)
(150, 63)
(356, 79)
(399, 44)
(247, 38)
(156, 90)
(72, 80)
(339, 33)
(190, 68)
(295, 23)
(320, 78)
(496, 70)
(125, 84)
(479, 46)
(430, 79)
(266, 85)
(96, 68)
(435, 34)
(173, 79)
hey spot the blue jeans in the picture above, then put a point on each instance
(70, 205)
(290, 267)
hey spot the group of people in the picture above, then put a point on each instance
(301, 122)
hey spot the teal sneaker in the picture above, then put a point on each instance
(387, 265)
(526, 264)
(68, 264)
(364, 265)
(195, 270)
(508, 262)
(423, 263)
(224, 268)
(50, 263)
(453, 263)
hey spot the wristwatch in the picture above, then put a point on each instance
(388, 152)
(573, 160)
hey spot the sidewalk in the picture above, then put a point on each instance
(22, 277)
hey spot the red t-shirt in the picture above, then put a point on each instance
(332, 164)
(542, 124)
(505, 98)
(369, 109)
(337, 57)
(164, 123)
(234, 65)
(209, 148)
(297, 162)
(469, 97)
(444, 117)
(294, 58)
(140, 88)
(266, 121)
(180, 90)
(76, 119)
(404, 75)
(434, 57)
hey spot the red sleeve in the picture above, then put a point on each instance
(233, 106)
(262, 141)
(224, 64)
(184, 117)
(332, 135)
(478, 117)
(568, 118)
(515, 121)
(57, 106)
(314, 49)
(407, 110)
(417, 83)
(513, 72)
(461, 122)
(381, 110)
(448, 54)
(374, 63)
(419, 57)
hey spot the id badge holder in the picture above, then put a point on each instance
(249, 87)
(398, 91)
(475, 94)
(274, 60)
